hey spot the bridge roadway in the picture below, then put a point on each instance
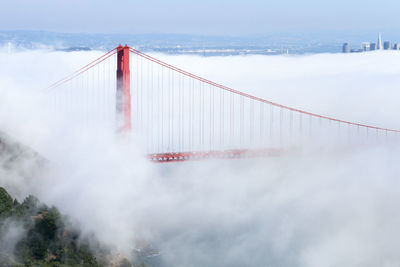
(12, 151)
(227, 154)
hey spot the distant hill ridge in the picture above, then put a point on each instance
(13, 152)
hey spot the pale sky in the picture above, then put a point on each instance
(220, 17)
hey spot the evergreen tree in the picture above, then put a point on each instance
(49, 240)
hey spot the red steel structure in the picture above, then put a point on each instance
(123, 99)
(182, 116)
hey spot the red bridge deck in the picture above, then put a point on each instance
(229, 154)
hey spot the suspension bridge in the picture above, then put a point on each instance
(179, 116)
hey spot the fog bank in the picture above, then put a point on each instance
(333, 207)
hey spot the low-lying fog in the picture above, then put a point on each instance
(314, 208)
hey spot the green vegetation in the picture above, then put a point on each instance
(125, 263)
(32, 234)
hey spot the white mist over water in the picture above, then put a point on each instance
(314, 208)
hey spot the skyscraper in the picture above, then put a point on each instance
(387, 45)
(373, 46)
(379, 45)
(366, 46)
(397, 46)
(346, 48)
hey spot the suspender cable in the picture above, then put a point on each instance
(281, 127)
(261, 123)
(251, 122)
(241, 121)
(203, 116)
(200, 114)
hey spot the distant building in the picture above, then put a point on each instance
(379, 45)
(387, 45)
(365, 46)
(346, 48)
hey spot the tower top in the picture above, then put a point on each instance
(379, 45)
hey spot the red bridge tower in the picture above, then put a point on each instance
(123, 100)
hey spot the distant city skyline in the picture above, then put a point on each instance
(209, 17)
(198, 44)
(371, 46)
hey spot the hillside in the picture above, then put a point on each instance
(33, 234)
(13, 153)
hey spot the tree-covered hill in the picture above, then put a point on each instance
(33, 234)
